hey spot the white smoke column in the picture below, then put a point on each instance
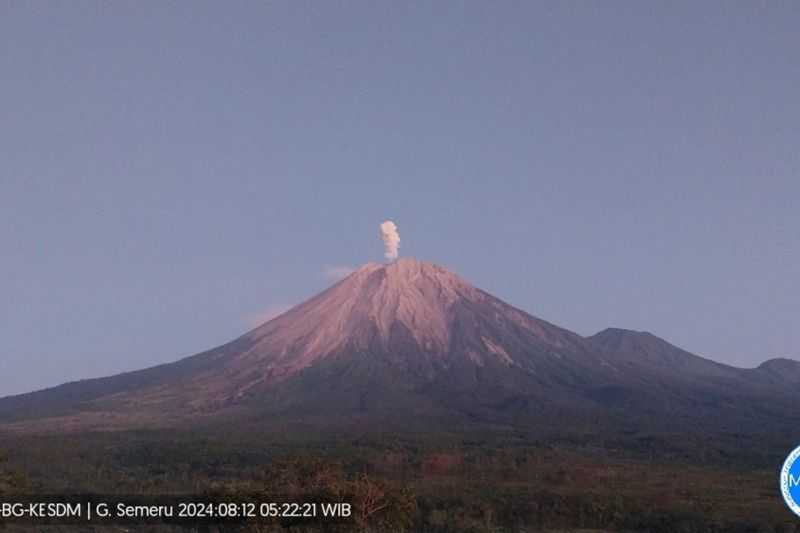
(391, 240)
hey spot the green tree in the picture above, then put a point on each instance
(381, 506)
(10, 482)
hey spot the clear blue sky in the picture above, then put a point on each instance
(170, 170)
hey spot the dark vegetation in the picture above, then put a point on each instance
(11, 482)
(620, 431)
(489, 482)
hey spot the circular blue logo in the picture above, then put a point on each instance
(790, 481)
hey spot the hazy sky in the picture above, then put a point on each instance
(171, 171)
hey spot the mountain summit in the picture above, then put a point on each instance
(410, 341)
(411, 307)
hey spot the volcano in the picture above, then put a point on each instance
(414, 345)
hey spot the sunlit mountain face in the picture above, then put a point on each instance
(410, 344)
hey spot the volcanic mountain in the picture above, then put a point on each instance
(410, 343)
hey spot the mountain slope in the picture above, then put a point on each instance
(411, 341)
(646, 352)
(779, 372)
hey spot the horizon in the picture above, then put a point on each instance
(388, 263)
(173, 173)
(412, 267)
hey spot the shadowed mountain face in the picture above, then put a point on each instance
(413, 344)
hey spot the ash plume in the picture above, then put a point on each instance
(391, 240)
